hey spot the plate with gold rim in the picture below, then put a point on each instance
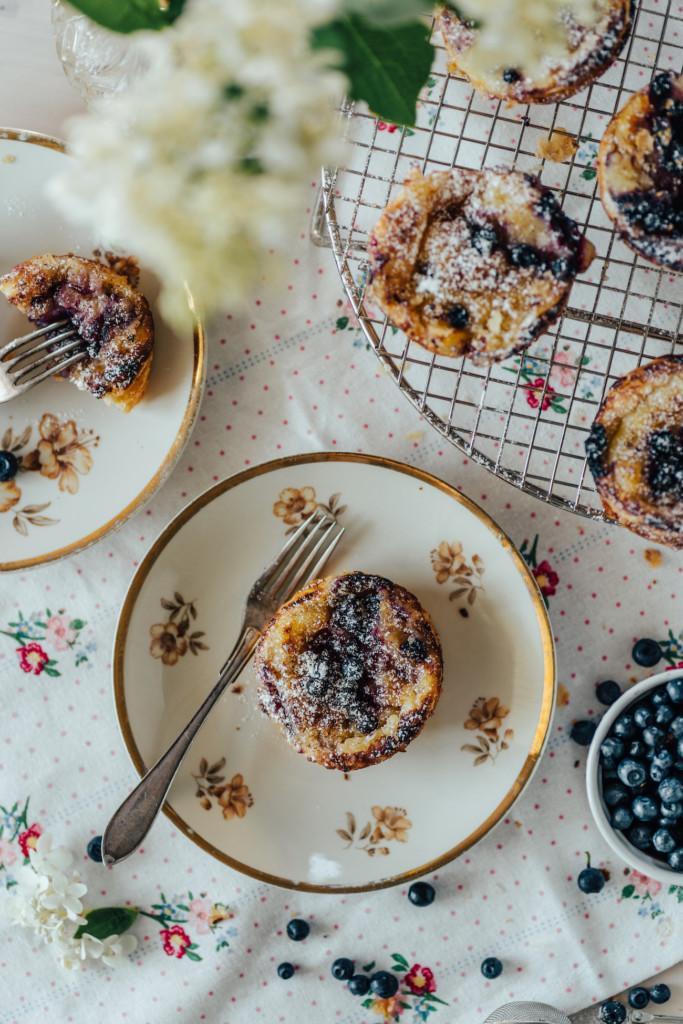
(243, 794)
(85, 467)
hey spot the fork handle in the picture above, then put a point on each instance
(131, 822)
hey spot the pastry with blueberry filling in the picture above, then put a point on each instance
(474, 263)
(640, 170)
(108, 312)
(351, 669)
(635, 451)
(535, 53)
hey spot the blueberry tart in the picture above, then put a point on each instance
(351, 669)
(535, 53)
(640, 170)
(474, 263)
(109, 313)
(635, 451)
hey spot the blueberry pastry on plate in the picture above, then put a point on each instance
(640, 170)
(109, 313)
(351, 669)
(474, 263)
(635, 451)
(539, 52)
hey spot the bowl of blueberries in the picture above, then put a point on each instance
(635, 776)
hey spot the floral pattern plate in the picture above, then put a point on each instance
(84, 466)
(243, 794)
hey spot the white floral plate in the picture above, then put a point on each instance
(243, 794)
(98, 464)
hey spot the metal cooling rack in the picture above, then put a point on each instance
(525, 419)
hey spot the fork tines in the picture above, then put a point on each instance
(47, 351)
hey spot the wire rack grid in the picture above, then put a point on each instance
(525, 419)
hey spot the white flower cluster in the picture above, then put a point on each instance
(202, 168)
(48, 899)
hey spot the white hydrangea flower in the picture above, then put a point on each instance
(203, 167)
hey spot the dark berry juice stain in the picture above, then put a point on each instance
(596, 446)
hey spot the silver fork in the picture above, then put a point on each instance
(299, 561)
(26, 361)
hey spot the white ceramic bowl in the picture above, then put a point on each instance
(635, 858)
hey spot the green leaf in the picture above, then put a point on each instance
(386, 65)
(105, 921)
(191, 955)
(368, 967)
(131, 15)
(400, 959)
(342, 323)
(49, 671)
(627, 892)
(589, 173)
(76, 624)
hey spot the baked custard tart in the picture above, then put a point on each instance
(351, 669)
(108, 312)
(640, 170)
(474, 263)
(635, 451)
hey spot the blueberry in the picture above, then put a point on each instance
(664, 714)
(664, 758)
(343, 968)
(352, 670)
(679, 748)
(491, 967)
(645, 808)
(613, 795)
(591, 880)
(653, 736)
(640, 836)
(511, 75)
(414, 648)
(660, 993)
(364, 719)
(384, 984)
(675, 859)
(94, 849)
(660, 696)
(525, 256)
(671, 791)
(607, 691)
(622, 819)
(285, 971)
(638, 749)
(660, 87)
(359, 985)
(675, 690)
(657, 772)
(638, 998)
(676, 727)
(9, 465)
(624, 727)
(298, 929)
(631, 773)
(457, 316)
(484, 238)
(663, 841)
(421, 894)
(548, 205)
(562, 268)
(583, 732)
(611, 751)
(644, 716)
(646, 652)
(596, 446)
(671, 812)
(612, 1012)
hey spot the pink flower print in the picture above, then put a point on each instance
(175, 941)
(386, 126)
(644, 885)
(28, 839)
(59, 633)
(199, 918)
(8, 854)
(420, 980)
(32, 658)
(563, 376)
(534, 391)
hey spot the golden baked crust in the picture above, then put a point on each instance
(635, 451)
(588, 53)
(351, 669)
(475, 263)
(640, 171)
(109, 313)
